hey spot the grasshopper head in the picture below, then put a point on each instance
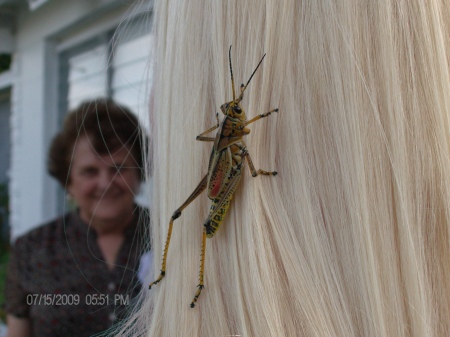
(233, 110)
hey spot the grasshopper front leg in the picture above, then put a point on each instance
(201, 136)
(198, 190)
(254, 119)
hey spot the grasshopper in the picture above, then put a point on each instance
(224, 170)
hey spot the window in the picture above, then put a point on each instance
(87, 75)
(115, 64)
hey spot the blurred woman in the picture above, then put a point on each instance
(75, 276)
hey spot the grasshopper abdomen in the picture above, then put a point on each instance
(213, 224)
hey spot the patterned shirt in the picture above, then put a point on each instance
(58, 278)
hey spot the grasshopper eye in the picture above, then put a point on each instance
(237, 109)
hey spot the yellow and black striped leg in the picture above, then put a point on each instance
(166, 249)
(198, 190)
(254, 119)
(201, 137)
(202, 269)
(253, 170)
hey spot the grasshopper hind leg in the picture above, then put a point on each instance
(202, 269)
(175, 215)
(198, 190)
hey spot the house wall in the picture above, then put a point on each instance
(39, 37)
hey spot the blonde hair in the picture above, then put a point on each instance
(352, 237)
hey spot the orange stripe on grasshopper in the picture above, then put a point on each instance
(219, 171)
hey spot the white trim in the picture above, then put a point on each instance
(87, 35)
(95, 28)
(34, 4)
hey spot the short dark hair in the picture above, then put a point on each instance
(108, 125)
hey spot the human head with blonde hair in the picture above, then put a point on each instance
(352, 237)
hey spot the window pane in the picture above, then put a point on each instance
(132, 77)
(87, 75)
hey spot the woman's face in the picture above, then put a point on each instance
(103, 186)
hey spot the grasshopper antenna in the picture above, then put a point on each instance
(245, 87)
(231, 72)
